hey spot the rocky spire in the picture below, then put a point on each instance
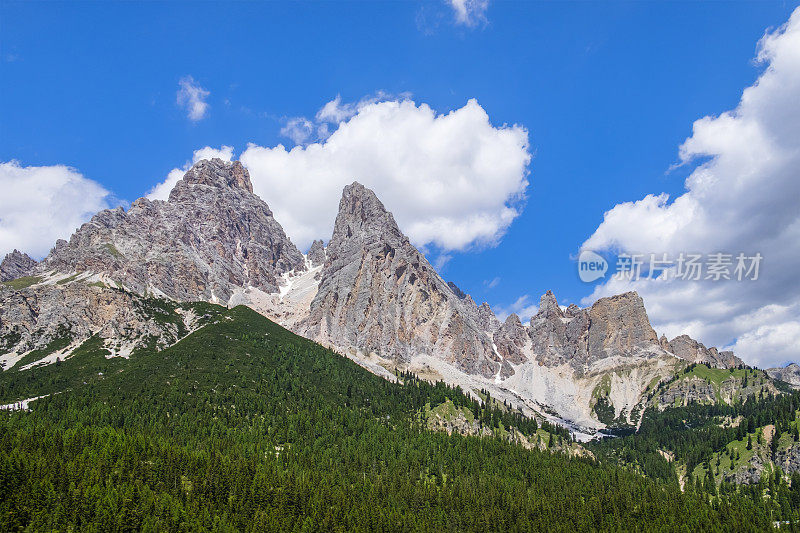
(487, 319)
(511, 339)
(548, 307)
(16, 265)
(379, 295)
(316, 254)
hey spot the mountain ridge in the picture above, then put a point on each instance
(371, 295)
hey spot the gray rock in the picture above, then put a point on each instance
(789, 459)
(487, 320)
(16, 265)
(510, 340)
(690, 350)
(458, 292)
(613, 327)
(379, 295)
(749, 474)
(212, 236)
(789, 374)
(316, 254)
(30, 319)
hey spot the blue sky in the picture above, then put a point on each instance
(606, 91)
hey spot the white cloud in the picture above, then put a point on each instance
(492, 283)
(452, 180)
(335, 111)
(298, 129)
(192, 97)
(469, 12)
(302, 131)
(743, 198)
(523, 308)
(42, 204)
(162, 190)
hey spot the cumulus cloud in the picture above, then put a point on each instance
(452, 180)
(192, 97)
(42, 204)
(162, 190)
(302, 131)
(741, 197)
(469, 13)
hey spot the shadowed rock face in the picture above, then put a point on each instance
(212, 236)
(378, 294)
(16, 265)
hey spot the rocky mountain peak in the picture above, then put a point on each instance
(16, 265)
(789, 374)
(548, 307)
(212, 238)
(363, 217)
(379, 295)
(218, 173)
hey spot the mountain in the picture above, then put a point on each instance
(211, 237)
(378, 296)
(116, 332)
(16, 265)
(39, 326)
(369, 294)
(789, 374)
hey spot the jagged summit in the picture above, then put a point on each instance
(212, 237)
(218, 173)
(548, 307)
(16, 265)
(379, 295)
(363, 216)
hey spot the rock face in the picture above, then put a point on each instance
(212, 236)
(316, 254)
(789, 459)
(57, 317)
(690, 350)
(487, 319)
(379, 295)
(750, 473)
(789, 374)
(615, 327)
(16, 265)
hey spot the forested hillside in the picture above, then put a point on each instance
(748, 447)
(245, 426)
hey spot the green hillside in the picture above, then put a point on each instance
(244, 426)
